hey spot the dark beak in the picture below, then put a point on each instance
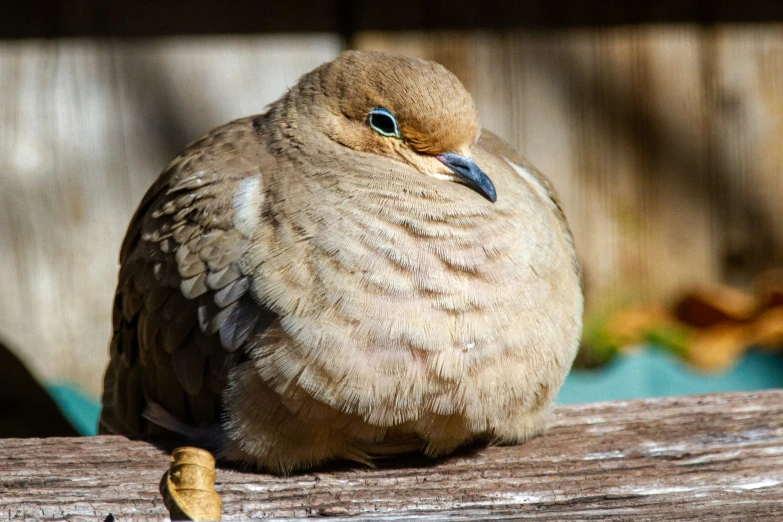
(470, 174)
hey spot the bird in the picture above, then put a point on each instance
(359, 272)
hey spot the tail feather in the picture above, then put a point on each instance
(210, 436)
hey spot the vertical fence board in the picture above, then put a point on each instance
(665, 142)
(665, 182)
(85, 126)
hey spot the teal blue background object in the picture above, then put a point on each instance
(656, 373)
(649, 373)
(79, 408)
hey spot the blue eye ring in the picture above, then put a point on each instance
(383, 122)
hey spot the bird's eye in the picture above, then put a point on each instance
(383, 122)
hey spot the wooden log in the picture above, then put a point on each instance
(704, 457)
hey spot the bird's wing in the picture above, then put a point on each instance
(183, 308)
(495, 146)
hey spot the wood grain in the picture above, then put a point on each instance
(85, 127)
(663, 141)
(711, 457)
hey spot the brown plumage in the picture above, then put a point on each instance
(333, 280)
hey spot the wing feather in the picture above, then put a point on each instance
(184, 308)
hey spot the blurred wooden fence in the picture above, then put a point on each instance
(665, 142)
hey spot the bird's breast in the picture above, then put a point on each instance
(395, 301)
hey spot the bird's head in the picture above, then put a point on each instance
(405, 108)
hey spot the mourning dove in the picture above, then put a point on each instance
(358, 272)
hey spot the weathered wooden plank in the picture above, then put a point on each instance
(85, 127)
(712, 457)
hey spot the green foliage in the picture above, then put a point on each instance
(598, 346)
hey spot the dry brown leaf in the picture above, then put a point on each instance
(706, 307)
(188, 487)
(718, 323)
(725, 322)
(628, 327)
(768, 328)
(718, 348)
